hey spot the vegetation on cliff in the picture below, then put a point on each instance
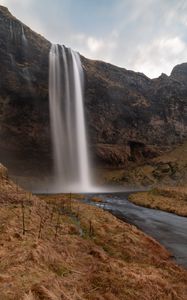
(169, 168)
(169, 174)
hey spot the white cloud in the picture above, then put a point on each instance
(143, 35)
(94, 45)
(174, 45)
(94, 48)
(159, 56)
(13, 3)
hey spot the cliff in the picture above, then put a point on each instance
(24, 116)
(132, 114)
(130, 118)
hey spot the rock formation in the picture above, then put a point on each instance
(24, 116)
(130, 118)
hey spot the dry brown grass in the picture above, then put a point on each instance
(168, 168)
(170, 199)
(82, 253)
(179, 155)
(97, 199)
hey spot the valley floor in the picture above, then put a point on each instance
(55, 247)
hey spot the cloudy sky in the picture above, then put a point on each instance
(148, 36)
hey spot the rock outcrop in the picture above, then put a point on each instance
(3, 172)
(128, 108)
(130, 118)
(24, 116)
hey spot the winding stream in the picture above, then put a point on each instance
(169, 229)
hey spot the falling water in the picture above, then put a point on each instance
(11, 35)
(11, 30)
(72, 172)
(26, 71)
(24, 39)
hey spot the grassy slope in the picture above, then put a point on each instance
(74, 251)
(171, 199)
(171, 193)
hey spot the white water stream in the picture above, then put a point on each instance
(70, 149)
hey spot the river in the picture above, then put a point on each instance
(168, 229)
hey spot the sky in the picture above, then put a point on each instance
(148, 36)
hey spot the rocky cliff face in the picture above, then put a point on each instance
(142, 116)
(24, 117)
(130, 117)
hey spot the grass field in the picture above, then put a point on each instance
(167, 198)
(55, 247)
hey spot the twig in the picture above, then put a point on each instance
(23, 217)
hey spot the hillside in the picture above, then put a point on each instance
(168, 174)
(167, 198)
(169, 169)
(65, 249)
(130, 118)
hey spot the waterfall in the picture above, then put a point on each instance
(26, 71)
(70, 150)
(11, 30)
(24, 39)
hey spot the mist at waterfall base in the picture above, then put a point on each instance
(70, 148)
